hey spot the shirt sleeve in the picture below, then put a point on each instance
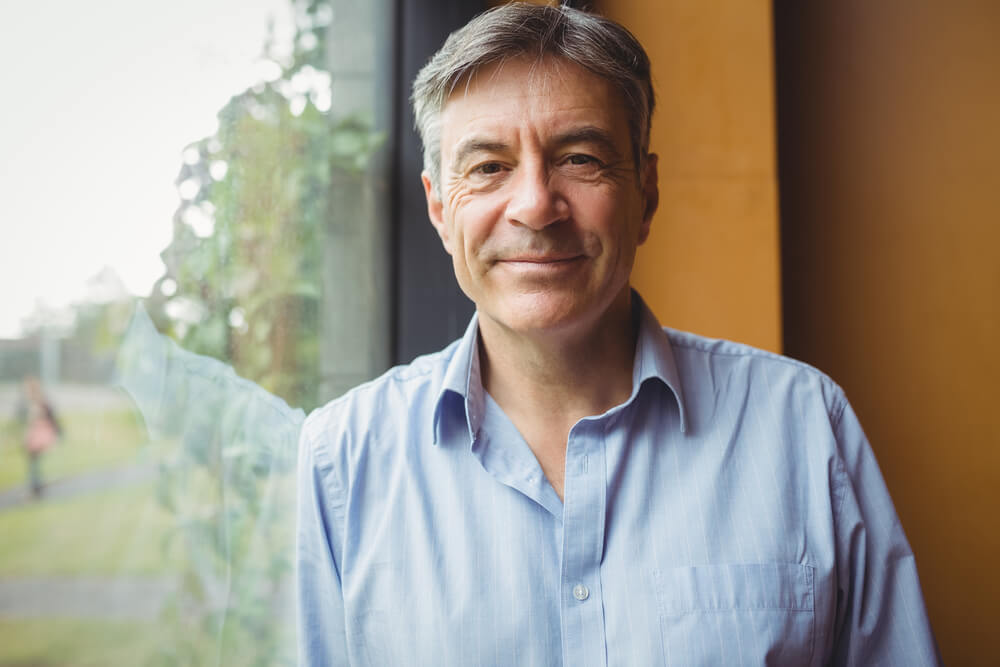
(319, 597)
(881, 617)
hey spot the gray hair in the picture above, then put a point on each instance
(521, 29)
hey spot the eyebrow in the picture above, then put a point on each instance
(475, 145)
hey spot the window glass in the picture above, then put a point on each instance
(194, 255)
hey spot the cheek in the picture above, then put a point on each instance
(475, 220)
(612, 221)
(601, 213)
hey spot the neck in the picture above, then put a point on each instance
(561, 376)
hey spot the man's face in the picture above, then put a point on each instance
(540, 205)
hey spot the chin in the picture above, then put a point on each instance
(540, 313)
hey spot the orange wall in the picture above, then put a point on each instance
(890, 152)
(711, 264)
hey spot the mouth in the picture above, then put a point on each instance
(540, 259)
(540, 264)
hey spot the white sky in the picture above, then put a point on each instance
(97, 101)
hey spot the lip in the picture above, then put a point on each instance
(543, 259)
(541, 265)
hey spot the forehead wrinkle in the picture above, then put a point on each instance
(542, 75)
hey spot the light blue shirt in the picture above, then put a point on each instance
(730, 512)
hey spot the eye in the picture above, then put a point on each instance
(580, 160)
(488, 168)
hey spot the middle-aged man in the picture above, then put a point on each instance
(569, 483)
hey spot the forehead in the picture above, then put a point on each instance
(538, 97)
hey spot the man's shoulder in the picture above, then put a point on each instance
(706, 346)
(693, 353)
(400, 390)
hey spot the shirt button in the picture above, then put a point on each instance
(580, 592)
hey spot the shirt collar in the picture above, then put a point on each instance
(462, 386)
(654, 357)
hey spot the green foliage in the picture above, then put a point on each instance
(228, 484)
(225, 449)
(244, 263)
(243, 285)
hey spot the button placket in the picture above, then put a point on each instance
(584, 638)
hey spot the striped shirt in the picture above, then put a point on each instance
(730, 512)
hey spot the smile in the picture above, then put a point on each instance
(540, 259)
(545, 264)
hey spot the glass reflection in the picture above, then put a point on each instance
(158, 529)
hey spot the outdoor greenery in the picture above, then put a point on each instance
(234, 324)
(77, 643)
(115, 532)
(243, 269)
(88, 643)
(243, 286)
(225, 451)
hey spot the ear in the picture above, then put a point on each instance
(435, 211)
(650, 194)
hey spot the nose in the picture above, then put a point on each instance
(534, 202)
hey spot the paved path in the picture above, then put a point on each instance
(83, 596)
(89, 482)
(71, 397)
(113, 597)
(119, 597)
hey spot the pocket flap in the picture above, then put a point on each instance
(750, 586)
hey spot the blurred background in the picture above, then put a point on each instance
(213, 223)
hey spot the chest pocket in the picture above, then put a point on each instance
(736, 614)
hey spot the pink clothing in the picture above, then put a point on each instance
(41, 435)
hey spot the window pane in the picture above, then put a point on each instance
(195, 254)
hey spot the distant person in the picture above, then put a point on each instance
(41, 430)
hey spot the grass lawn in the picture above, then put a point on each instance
(91, 643)
(119, 532)
(80, 643)
(91, 440)
(109, 532)
(122, 531)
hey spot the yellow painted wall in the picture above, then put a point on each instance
(711, 264)
(891, 209)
